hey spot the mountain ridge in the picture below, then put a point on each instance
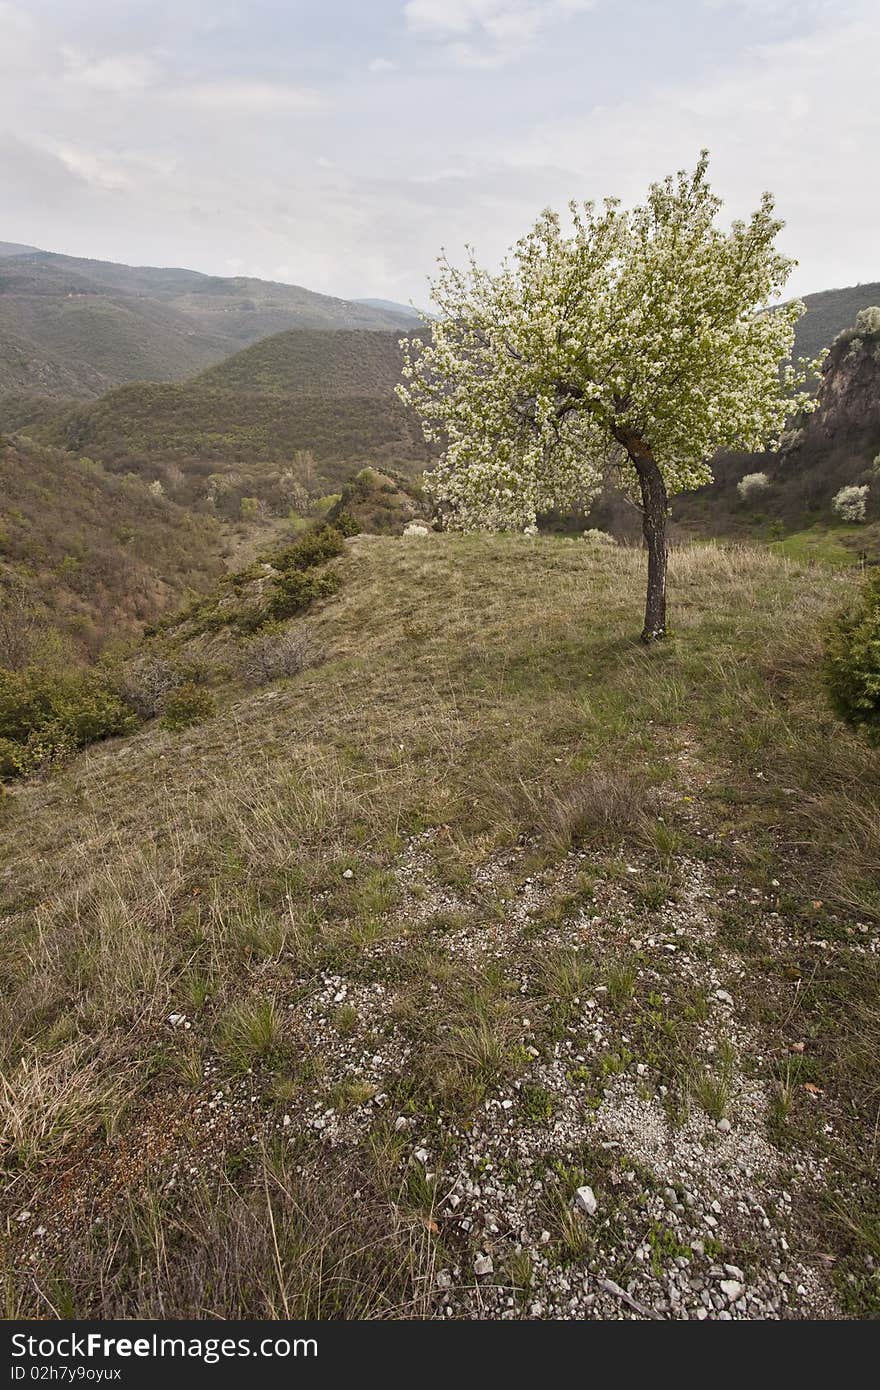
(91, 325)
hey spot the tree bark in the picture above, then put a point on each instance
(655, 505)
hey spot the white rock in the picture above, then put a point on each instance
(401, 1123)
(723, 1126)
(483, 1265)
(415, 528)
(585, 1198)
(421, 1155)
(176, 1020)
(723, 996)
(732, 1289)
(444, 1279)
(348, 873)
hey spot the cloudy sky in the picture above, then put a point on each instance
(339, 144)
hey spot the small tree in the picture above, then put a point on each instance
(851, 503)
(752, 486)
(868, 322)
(636, 339)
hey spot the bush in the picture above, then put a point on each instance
(346, 524)
(146, 682)
(851, 503)
(317, 546)
(868, 321)
(295, 590)
(596, 537)
(852, 661)
(45, 716)
(188, 705)
(752, 486)
(276, 653)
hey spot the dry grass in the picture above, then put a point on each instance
(487, 688)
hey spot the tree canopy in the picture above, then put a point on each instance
(626, 335)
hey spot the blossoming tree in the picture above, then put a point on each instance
(635, 338)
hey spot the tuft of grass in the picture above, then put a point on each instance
(621, 983)
(250, 1032)
(605, 805)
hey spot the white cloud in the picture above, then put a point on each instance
(281, 142)
(18, 37)
(240, 96)
(486, 33)
(800, 117)
(92, 169)
(120, 73)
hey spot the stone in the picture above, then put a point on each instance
(483, 1266)
(585, 1198)
(348, 873)
(723, 1126)
(723, 996)
(732, 1289)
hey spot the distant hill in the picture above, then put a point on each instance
(15, 248)
(305, 362)
(194, 422)
(406, 311)
(329, 395)
(75, 326)
(98, 555)
(831, 312)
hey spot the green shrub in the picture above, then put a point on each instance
(317, 546)
(295, 590)
(346, 524)
(852, 661)
(189, 704)
(45, 715)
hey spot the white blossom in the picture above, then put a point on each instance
(648, 324)
(752, 486)
(851, 503)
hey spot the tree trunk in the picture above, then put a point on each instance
(655, 505)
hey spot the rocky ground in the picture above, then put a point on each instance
(620, 1166)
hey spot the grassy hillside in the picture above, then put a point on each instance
(331, 1004)
(88, 325)
(26, 366)
(26, 409)
(309, 363)
(97, 556)
(235, 435)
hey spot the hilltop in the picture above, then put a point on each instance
(72, 326)
(487, 964)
